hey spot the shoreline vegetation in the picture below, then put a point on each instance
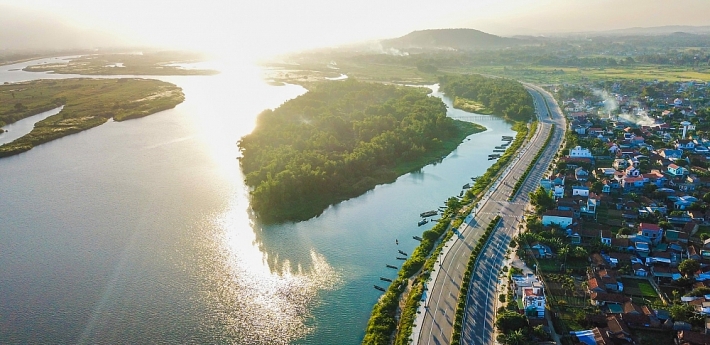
(504, 97)
(87, 103)
(340, 140)
(157, 63)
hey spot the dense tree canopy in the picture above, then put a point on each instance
(502, 96)
(337, 141)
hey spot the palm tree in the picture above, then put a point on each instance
(515, 338)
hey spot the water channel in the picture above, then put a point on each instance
(139, 231)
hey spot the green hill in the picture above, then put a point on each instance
(458, 39)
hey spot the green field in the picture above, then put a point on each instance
(552, 74)
(641, 290)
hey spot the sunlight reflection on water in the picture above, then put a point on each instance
(272, 298)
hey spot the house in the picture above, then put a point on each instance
(655, 177)
(690, 228)
(593, 202)
(561, 218)
(619, 164)
(534, 301)
(671, 154)
(579, 152)
(687, 337)
(642, 245)
(684, 202)
(640, 270)
(705, 250)
(676, 236)
(605, 237)
(651, 231)
(609, 281)
(665, 271)
(632, 171)
(521, 281)
(685, 144)
(636, 140)
(622, 244)
(606, 187)
(604, 172)
(677, 171)
(540, 250)
(630, 183)
(580, 174)
(580, 191)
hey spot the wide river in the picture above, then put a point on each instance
(139, 231)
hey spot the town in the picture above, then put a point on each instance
(615, 248)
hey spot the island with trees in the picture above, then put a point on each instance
(148, 63)
(87, 103)
(498, 96)
(340, 140)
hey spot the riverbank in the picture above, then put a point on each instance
(87, 103)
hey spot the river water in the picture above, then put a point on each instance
(139, 231)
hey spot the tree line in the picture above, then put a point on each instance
(337, 141)
(504, 97)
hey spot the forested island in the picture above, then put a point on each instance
(477, 93)
(87, 103)
(153, 63)
(339, 140)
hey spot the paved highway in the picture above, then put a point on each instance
(436, 325)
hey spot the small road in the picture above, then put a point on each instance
(436, 326)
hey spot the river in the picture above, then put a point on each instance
(139, 231)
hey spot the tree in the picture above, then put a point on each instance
(539, 331)
(688, 267)
(579, 252)
(510, 321)
(541, 200)
(513, 338)
(699, 292)
(681, 312)
(624, 231)
(667, 225)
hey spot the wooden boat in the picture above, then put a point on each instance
(386, 279)
(403, 253)
(393, 267)
(422, 222)
(379, 288)
(417, 238)
(428, 213)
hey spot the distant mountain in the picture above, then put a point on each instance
(658, 30)
(451, 39)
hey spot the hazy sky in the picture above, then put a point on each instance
(272, 26)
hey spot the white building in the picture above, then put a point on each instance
(580, 190)
(534, 300)
(562, 219)
(579, 152)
